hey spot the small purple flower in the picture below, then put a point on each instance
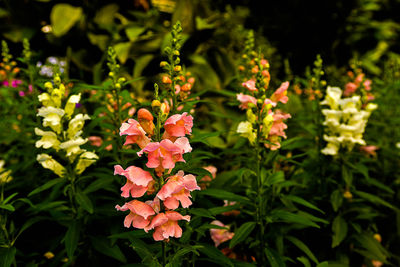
(52, 60)
(39, 64)
(78, 105)
(6, 83)
(30, 88)
(21, 93)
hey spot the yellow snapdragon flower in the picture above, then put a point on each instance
(245, 128)
(48, 162)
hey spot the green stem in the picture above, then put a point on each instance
(164, 253)
(259, 187)
(72, 193)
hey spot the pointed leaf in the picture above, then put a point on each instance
(242, 233)
(339, 228)
(72, 238)
(47, 186)
(303, 247)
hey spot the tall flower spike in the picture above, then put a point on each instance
(65, 141)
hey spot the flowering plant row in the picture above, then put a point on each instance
(261, 171)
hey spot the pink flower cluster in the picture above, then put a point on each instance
(359, 82)
(273, 125)
(162, 155)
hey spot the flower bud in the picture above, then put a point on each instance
(48, 86)
(178, 68)
(166, 80)
(155, 103)
(146, 121)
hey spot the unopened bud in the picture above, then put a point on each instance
(48, 85)
(166, 80)
(347, 195)
(163, 64)
(155, 103)
(178, 68)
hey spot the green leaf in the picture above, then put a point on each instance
(219, 210)
(336, 199)
(105, 16)
(28, 224)
(303, 247)
(72, 238)
(274, 258)
(339, 228)
(177, 259)
(133, 32)
(63, 17)
(122, 51)
(215, 255)
(347, 175)
(303, 202)
(131, 235)
(242, 233)
(7, 256)
(101, 40)
(293, 218)
(9, 198)
(304, 260)
(83, 200)
(103, 246)
(202, 213)
(98, 184)
(144, 252)
(3, 13)
(323, 264)
(374, 250)
(47, 186)
(7, 207)
(275, 178)
(222, 194)
(374, 199)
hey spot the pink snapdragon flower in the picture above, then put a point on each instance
(179, 125)
(275, 144)
(207, 179)
(95, 141)
(268, 101)
(163, 155)
(245, 100)
(139, 214)
(350, 88)
(220, 235)
(177, 189)
(250, 85)
(369, 150)
(146, 121)
(367, 85)
(278, 126)
(166, 225)
(138, 181)
(280, 95)
(135, 133)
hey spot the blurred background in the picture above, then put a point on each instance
(292, 32)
